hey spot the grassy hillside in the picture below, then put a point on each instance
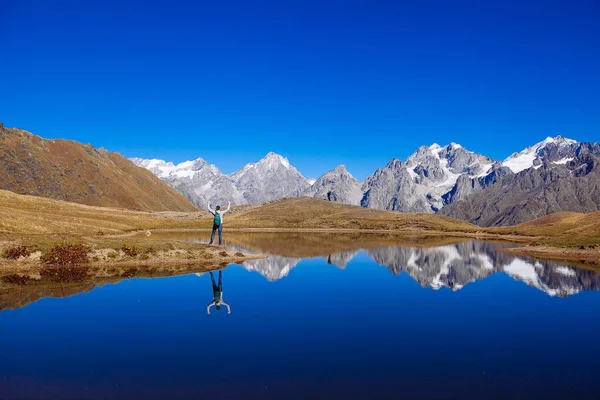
(71, 171)
(565, 228)
(311, 213)
(21, 214)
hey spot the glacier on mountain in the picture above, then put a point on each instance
(430, 179)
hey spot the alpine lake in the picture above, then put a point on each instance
(320, 317)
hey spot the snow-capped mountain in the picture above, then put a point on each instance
(197, 180)
(419, 185)
(536, 192)
(270, 178)
(393, 188)
(551, 152)
(438, 168)
(557, 150)
(344, 187)
(432, 180)
(187, 169)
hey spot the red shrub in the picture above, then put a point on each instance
(16, 252)
(68, 254)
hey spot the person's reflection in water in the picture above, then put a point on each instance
(329, 260)
(217, 294)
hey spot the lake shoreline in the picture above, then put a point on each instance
(208, 257)
(175, 251)
(586, 257)
(589, 257)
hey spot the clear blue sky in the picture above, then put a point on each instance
(323, 82)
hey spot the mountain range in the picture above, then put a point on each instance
(271, 178)
(556, 174)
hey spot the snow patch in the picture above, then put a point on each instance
(486, 262)
(412, 173)
(184, 174)
(527, 273)
(451, 254)
(565, 271)
(412, 261)
(521, 161)
(563, 161)
(485, 170)
(525, 159)
(523, 270)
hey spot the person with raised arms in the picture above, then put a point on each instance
(217, 222)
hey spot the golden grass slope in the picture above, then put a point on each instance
(564, 228)
(311, 213)
(71, 171)
(22, 214)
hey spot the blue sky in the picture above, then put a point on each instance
(321, 82)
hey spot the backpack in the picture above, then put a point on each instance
(217, 218)
(217, 295)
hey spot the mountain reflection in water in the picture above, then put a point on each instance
(453, 266)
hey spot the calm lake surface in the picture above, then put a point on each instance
(455, 321)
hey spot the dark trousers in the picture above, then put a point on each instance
(216, 287)
(220, 229)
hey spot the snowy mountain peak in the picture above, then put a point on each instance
(269, 179)
(272, 160)
(342, 170)
(559, 140)
(533, 155)
(425, 153)
(160, 168)
(164, 170)
(194, 164)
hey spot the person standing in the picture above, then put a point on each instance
(218, 222)
(217, 294)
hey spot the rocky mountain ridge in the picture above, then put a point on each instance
(271, 178)
(434, 179)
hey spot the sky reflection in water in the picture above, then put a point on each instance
(488, 325)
